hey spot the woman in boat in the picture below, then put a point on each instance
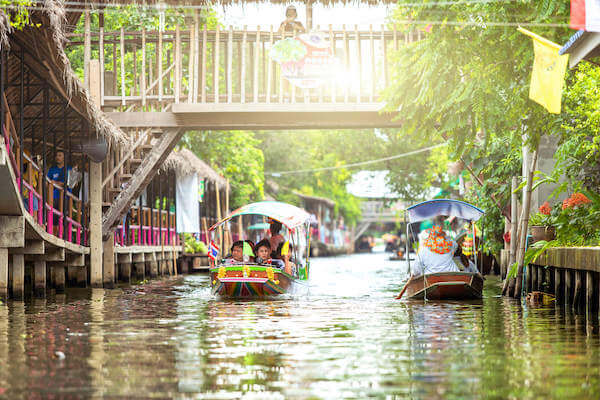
(276, 238)
(436, 252)
(263, 254)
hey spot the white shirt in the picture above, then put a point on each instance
(429, 262)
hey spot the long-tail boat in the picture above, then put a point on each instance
(252, 279)
(443, 285)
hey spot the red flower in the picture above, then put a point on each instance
(545, 209)
(575, 200)
(506, 237)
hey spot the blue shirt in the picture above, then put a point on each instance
(58, 175)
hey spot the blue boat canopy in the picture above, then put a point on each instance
(432, 208)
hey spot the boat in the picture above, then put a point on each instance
(443, 285)
(251, 279)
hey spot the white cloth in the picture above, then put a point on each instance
(188, 210)
(429, 262)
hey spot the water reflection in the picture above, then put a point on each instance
(348, 338)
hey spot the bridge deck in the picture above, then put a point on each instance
(260, 116)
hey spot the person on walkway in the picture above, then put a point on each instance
(290, 25)
(57, 173)
(436, 251)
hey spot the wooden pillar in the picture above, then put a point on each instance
(58, 273)
(528, 280)
(541, 274)
(125, 272)
(108, 262)
(140, 272)
(558, 293)
(87, 47)
(39, 278)
(72, 276)
(153, 268)
(18, 276)
(568, 287)
(577, 296)
(95, 195)
(534, 277)
(185, 265)
(589, 292)
(4, 273)
(82, 277)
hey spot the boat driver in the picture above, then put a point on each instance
(436, 251)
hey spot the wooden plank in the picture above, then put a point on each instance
(577, 298)
(256, 59)
(333, 85)
(243, 64)
(191, 64)
(558, 292)
(87, 47)
(216, 64)
(281, 79)
(534, 278)
(359, 63)
(177, 86)
(386, 70)
(347, 63)
(269, 68)
(135, 74)
(122, 67)
(143, 77)
(229, 64)
(159, 61)
(589, 292)
(101, 57)
(373, 72)
(568, 287)
(114, 53)
(203, 80)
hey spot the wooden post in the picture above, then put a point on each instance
(191, 63)
(589, 292)
(159, 61)
(204, 49)
(333, 86)
(18, 276)
(177, 64)
(4, 273)
(122, 67)
(568, 287)
(372, 43)
(243, 64)
(359, 62)
(95, 196)
(87, 47)
(347, 63)
(125, 272)
(108, 272)
(541, 275)
(101, 57)
(269, 67)
(534, 277)
(578, 292)
(256, 58)
(39, 278)
(143, 80)
(513, 218)
(220, 231)
(229, 64)
(558, 294)
(217, 61)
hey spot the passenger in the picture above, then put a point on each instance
(289, 266)
(436, 252)
(263, 254)
(290, 25)
(237, 253)
(276, 237)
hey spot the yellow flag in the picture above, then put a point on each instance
(548, 74)
(285, 249)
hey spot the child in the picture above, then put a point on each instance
(263, 254)
(289, 266)
(237, 253)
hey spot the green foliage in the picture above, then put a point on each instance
(17, 12)
(532, 254)
(237, 156)
(292, 151)
(194, 246)
(287, 50)
(579, 226)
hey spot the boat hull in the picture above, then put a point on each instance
(445, 286)
(252, 281)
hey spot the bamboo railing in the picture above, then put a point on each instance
(146, 69)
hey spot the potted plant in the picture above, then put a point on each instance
(542, 224)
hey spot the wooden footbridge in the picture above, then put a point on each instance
(225, 79)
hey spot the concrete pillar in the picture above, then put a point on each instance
(125, 272)
(18, 276)
(109, 263)
(140, 273)
(59, 278)
(3, 273)
(72, 273)
(82, 277)
(96, 224)
(153, 268)
(185, 265)
(39, 278)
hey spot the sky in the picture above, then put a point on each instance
(266, 14)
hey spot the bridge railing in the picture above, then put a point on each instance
(148, 70)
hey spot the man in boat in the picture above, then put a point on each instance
(436, 251)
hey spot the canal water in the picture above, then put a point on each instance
(348, 338)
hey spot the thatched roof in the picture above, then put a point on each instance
(185, 162)
(44, 45)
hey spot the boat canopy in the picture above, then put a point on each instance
(432, 208)
(289, 215)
